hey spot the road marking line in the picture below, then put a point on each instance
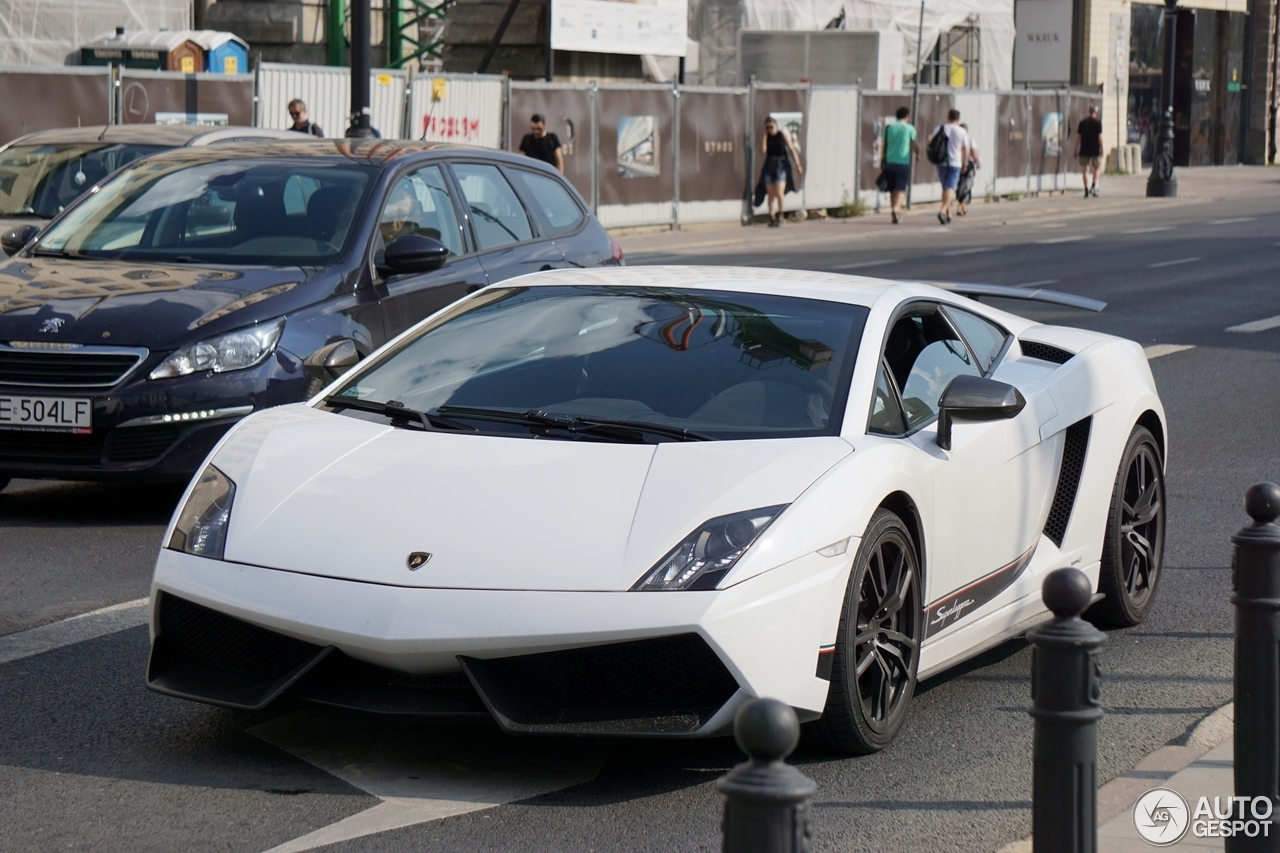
(1072, 239)
(1042, 282)
(973, 251)
(420, 776)
(1256, 325)
(1173, 263)
(755, 263)
(860, 264)
(76, 629)
(1157, 350)
(1231, 221)
(1153, 229)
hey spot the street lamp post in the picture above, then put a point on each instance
(1162, 183)
(361, 39)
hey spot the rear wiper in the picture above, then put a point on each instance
(396, 410)
(625, 430)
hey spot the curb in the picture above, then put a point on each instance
(1120, 793)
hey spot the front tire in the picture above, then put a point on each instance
(877, 653)
(1133, 547)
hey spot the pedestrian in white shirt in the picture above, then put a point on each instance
(958, 145)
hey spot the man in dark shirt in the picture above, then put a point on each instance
(298, 112)
(540, 145)
(1089, 150)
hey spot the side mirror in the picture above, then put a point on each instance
(329, 362)
(13, 241)
(973, 398)
(415, 253)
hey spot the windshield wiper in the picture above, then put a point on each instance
(58, 253)
(623, 430)
(396, 410)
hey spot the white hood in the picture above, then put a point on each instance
(330, 495)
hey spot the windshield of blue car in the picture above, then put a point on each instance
(41, 180)
(269, 212)
(725, 365)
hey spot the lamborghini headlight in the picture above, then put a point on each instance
(232, 351)
(707, 554)
(201, 528)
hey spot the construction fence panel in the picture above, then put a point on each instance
(463, 108)
(569, 110)
(327, 93)
(978, 111)
(1078, 104)
(1047, 130)
(831, 164)
(789, 107)
(1013, 160)
(876, 112)
(45, 98)
(712, 157)
(636, 154)
(932, 107)
(170, 97)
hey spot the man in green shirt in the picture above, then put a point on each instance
(900, 150)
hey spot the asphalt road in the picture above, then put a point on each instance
(90, 760)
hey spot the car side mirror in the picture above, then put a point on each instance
(973, 398)
(415, 253)
(13, 240)
(329, 362)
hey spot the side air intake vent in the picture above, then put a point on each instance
(1045, 352)
(1064, 498)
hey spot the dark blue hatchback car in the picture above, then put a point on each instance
(199, 285)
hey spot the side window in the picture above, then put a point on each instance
(886, 414)
(496, 213)
(554, 201)
(924, 354)
(419, 204)
(985, 337)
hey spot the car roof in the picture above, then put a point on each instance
(831, 287)
(371, 152)
(171, 135)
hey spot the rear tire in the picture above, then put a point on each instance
(877, 653)
(1133, 545)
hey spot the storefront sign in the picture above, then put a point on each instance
(1043, 50)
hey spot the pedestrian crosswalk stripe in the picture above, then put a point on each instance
(76, 629)
(1257, 325)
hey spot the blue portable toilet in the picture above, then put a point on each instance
(225, 53)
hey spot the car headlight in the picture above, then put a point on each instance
(232, 351)
(201, 528)
(708, 553)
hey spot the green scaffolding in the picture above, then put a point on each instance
(403, 19)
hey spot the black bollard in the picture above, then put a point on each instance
(1066, 702)
(1255, 581)
(766, 807)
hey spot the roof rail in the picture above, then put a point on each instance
(1032, 294)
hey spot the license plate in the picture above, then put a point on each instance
(46, 413)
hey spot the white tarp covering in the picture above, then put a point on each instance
(994, 18)
(51, 31)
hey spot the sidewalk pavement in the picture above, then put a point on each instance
(1119, 194)
(1203, 767)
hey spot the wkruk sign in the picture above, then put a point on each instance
(1042, 53)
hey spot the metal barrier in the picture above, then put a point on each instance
(463, 108)
(327, 94)
(1255, 581)
(170, 97)
(53, 97)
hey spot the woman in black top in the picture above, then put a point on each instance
(779, 155)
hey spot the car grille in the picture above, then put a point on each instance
(1074, 445)
(141, 444)
(44, 366)
(667, 685)
(55, 448)
(1045, 352)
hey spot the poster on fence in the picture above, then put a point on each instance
(656, 27)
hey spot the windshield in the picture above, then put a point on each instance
(724, 365)
(40, 180)
(253, 211)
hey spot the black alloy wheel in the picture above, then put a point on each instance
(877, 653)
(1133, 547)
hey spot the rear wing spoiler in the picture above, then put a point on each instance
(1031, 294)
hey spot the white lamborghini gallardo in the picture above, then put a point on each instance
(622, 502)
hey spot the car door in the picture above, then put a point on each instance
(420, 202)
(504, 232)
(990, 489)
